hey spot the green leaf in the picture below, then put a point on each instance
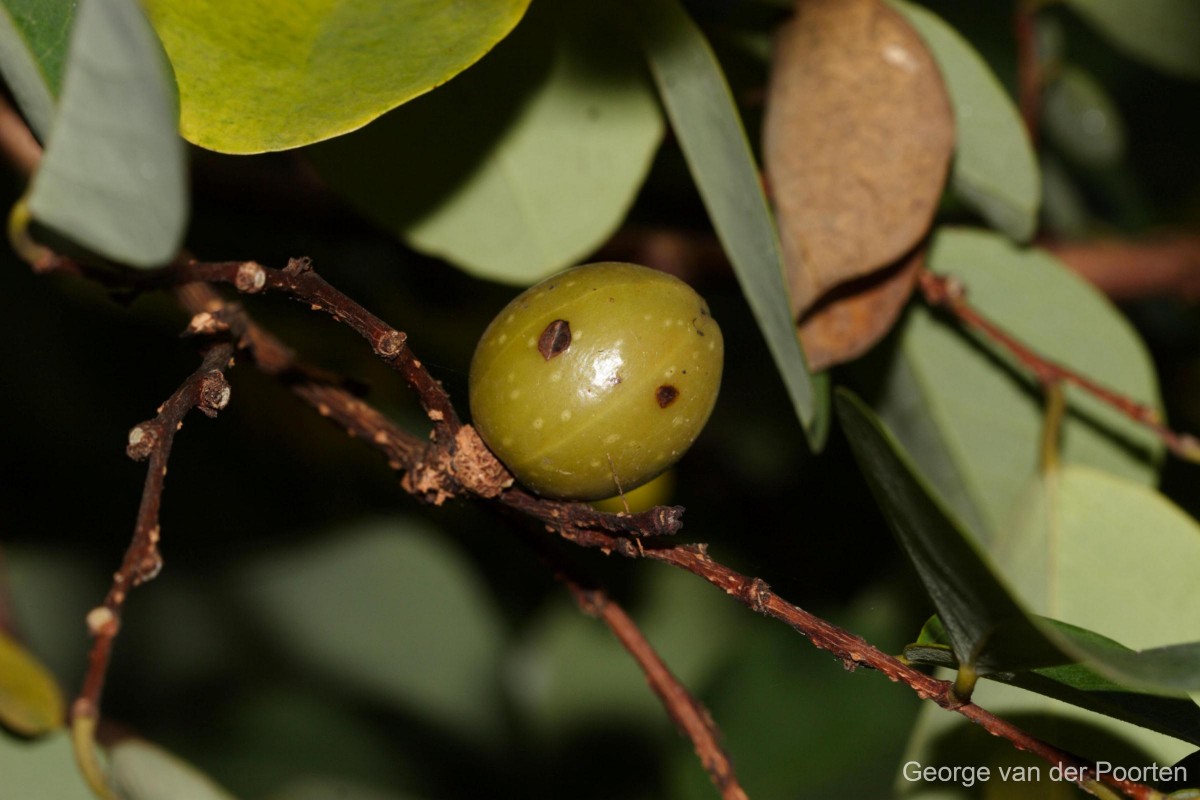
(113, 176)
(980, 625)
(1082, 119)
(978, 612)
(30, 701)
(43, 767)
(706, 122)
(391, 608)
(1114, 557)
(1162, 33)
(995, 170)
(1103, 588)
(33, 50)
(972, 422)
(571, 129)
(143, 771)
(271, 76)
(1077, 684)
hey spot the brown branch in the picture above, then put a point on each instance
(946, 293)
(689, 715)
(1167, 266)
(1030, 74)
(18, 146)
(8, 622)
(207, 390)
(300, 282)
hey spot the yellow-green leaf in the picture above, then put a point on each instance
(30, 701)
(271, 76)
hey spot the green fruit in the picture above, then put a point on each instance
(596, 379)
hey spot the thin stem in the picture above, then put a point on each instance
(1030, 74)
(946, 293)
(689, 714)
(206, 389)
(1052, 420)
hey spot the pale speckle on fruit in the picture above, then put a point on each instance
(531, 341)
(678, 420)
(612, 437)
(565, 416)
(556, 376)
(508, 441)
(514, 394)
(538, 423)
(503, 338)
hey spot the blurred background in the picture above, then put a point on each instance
(316, 632)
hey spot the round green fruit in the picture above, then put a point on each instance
(596, 380)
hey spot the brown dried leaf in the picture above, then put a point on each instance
(849, 320)
(857, 141)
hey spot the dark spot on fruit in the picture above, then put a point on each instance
(696, 327)
(555, 339)
(665, 395)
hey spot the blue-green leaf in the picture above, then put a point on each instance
(1162, 33)
(995, 170)
(571, 129)
(40, 768)
(1082, 119)
(113, 178)
(971, 418)
(391, 608)
(143, 771)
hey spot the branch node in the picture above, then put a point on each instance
(206, 323)
(760, 595)
(143, 439)
(298, 266)
(475, 467)
(214, 392)
(101, 621)
(250, 278)
(390, 344)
